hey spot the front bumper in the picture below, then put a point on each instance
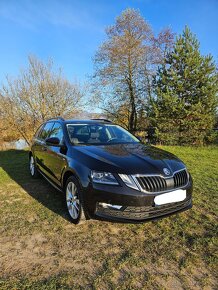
(135, 206)
(141, 214)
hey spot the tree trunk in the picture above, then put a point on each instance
(132, 118)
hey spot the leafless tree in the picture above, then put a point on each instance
(125, 64)
(39, 92)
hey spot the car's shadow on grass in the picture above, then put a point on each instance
(15, 164)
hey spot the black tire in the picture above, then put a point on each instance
(73, 201)
(33, 168)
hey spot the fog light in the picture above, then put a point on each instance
(108, 205)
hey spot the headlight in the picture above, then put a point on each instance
(103, 177)
(128, 180)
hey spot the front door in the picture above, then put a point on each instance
(40, 148)
(56, 158)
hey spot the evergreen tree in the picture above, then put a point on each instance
(186, 89)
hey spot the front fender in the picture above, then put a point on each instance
(81, 172)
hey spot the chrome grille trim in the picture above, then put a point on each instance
(157, 183)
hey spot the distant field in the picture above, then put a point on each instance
(41, 249)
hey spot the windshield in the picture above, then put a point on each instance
(95, 134)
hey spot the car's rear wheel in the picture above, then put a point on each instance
(32, 167)
(74, 200)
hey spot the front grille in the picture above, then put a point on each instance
(159, 183)
(152, 183)
(180, 178)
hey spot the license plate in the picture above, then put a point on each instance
(169, 197)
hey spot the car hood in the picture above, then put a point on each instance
(128, 158)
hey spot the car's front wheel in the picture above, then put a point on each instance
(74, 200)
(32, 167)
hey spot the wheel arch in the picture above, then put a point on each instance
(66, 175)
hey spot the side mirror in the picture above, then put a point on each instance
(53, 141)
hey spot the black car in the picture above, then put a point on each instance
(106, 172)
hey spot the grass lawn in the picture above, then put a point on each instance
(41, 249)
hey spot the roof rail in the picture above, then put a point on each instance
(104, 120)
(56, 118)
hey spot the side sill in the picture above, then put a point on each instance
(52, 183)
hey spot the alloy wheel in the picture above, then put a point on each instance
(32, 165)
(73, 203)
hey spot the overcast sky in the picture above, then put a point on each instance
(71, 31)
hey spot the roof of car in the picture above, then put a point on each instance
(80, 121)
(86, 121)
